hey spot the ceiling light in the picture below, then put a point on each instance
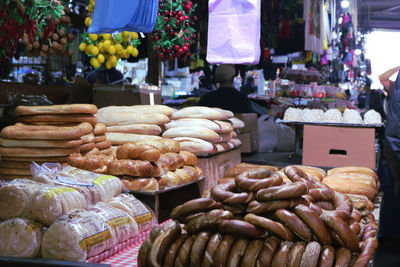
(345, 3)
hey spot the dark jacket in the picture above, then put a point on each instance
(227, 98)
(111, 76)
(392, 131)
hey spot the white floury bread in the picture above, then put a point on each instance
(136, 209)
(50, 202)
(86, 233)
(195, 132)
(14, 196)
(203, 113)
(20, 237)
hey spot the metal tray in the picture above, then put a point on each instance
(332, 124)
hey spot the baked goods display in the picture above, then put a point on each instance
(204, 130)
(49, 134)
(128, 124)
(257, 219)
(349, 116)
(70, 215)
(148, 165)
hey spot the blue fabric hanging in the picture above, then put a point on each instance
(124, 15)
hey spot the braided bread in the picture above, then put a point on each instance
(140, 152)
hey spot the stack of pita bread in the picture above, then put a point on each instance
(45, 134)
(129, 124)
(203, 130)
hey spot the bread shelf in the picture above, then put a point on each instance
(332, 124)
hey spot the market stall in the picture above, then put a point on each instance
(142, 174)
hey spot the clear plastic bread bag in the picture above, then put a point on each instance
(95, 187)
(122, 224)
(20, 237)
(77, 236)
(142, 214)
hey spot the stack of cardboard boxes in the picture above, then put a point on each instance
(249, 134)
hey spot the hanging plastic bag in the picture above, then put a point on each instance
(234, 31)
(267, 134)
(124, 15)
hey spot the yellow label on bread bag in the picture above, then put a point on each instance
(120, 221)
(32, 226)
(144, 218)
(58, 190)
(93, 240)
(103, 178)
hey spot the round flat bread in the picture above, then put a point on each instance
(15, 164)
(11, 171)
(39, 143)
(56, 109)
(36, 159)
(61, 118)
(21, 131)
(13, 177)
(37, 152)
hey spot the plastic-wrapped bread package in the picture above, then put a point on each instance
(77, 236)
(14, 196)
(143, 216)
(122, 224)
(50, 202)
(95, 187)
(86, 233)
(20, 237)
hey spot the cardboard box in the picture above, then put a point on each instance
(249, 142)
(124, 95)
(331, 146)
(250, 121)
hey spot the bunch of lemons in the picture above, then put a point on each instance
(108, 48)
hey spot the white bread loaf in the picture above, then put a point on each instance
(20, 237)
(203, 113)
(237, 123)
(150, 129)
(86, 233)
(139, 109)
(50, 202)
(136, 209)
(195, 132)
(195, 145)
(93, 186)
(122, 138)
(77, 236)
(14, 196)
(128, 117)
(209, 124)
(121, 222)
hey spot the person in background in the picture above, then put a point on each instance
(389, 165)
(105, 76)
(249, 87)
(226, 96)
(364, 96)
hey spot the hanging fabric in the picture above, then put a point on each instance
(233, 31)
(314, 26)
(124, 15)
